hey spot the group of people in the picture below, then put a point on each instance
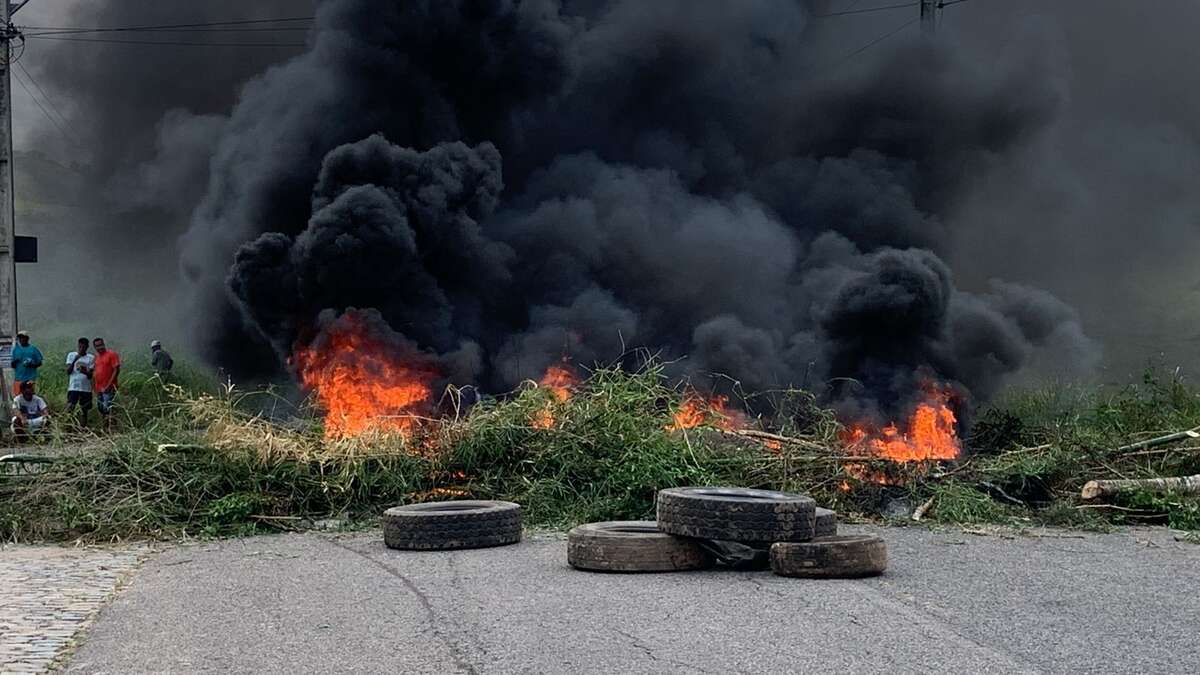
(91, 378)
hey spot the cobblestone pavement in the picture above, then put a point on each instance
(49, 593)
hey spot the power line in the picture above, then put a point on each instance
(872, 43)
(867, 10)
(950, 2)
(45, 112)
(117, 29)
(179, 30)
(167, 42)
(45, 96)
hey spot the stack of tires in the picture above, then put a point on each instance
(698, 527)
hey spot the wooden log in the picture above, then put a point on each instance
(1107, 488)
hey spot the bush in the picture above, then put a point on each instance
(602, 454)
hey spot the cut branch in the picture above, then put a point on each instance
(922, 510)
(1108, 488)
(767, 436)
(1161, 440)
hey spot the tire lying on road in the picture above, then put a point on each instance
(736, 514)
(632, 546)
(452, 525)
(830, 557)
(824, 523)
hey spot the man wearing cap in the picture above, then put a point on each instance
(26, 359)
(160, 360)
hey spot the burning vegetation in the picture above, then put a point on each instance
(365, 380)
(713, 411)
(561, 380)
(368, 382)
(612, 444)
(929, 434)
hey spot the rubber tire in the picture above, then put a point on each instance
(824, 523)
(442, 526)
(632, 546)
(736, 514)
(847, 556)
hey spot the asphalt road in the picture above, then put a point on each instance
(951, 602)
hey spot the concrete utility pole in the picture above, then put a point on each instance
(8, 268)
(929, 15)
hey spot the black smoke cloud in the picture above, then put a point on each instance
(392, 229)
(509, 181)
(642, 174)
(140, 122)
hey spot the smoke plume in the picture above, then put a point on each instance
(506, 182)
(664, 174)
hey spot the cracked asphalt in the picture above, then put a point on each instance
(952, 601)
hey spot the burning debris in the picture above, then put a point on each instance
(929, 434)
(366, 378)
(560, 380)
(696, 411)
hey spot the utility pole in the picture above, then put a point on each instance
(929, 15)
(8, 267)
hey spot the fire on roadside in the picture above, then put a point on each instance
(362, 384)
(561, 380)
(696, 411)
(930, 434)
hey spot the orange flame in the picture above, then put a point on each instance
(362, 383)
(930, 434)
(695, 411)
(561, 380)
(542, 419)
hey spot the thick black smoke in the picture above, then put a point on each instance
(510, 181)
(514, 182)
(392, 229)
(139, 124)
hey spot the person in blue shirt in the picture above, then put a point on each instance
(26, 359)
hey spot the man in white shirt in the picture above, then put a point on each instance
(31, 414)
(80, 365)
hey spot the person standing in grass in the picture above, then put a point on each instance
(104, 379)
(30, 413)
(80, 366)
(26, 359)
(160, 361)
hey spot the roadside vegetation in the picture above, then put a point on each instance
(197, 459)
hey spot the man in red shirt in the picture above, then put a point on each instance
(104, 378)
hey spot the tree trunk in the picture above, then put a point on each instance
(1108, 488)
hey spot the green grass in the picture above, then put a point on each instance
(141, 398)
(603, 457)
(1057, 438)
(606, 453)
(600, 455)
